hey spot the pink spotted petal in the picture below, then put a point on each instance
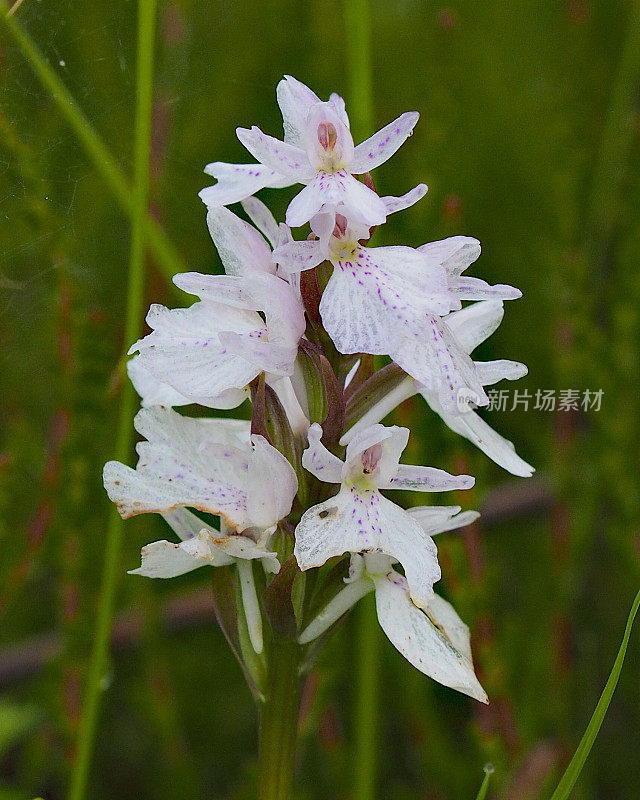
(393, 204)
(436, 359)
(239, 181)
(383, 144)
(184, 462)
(286, 160)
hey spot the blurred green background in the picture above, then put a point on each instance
(529, 141)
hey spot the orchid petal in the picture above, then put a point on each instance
(438, 519)
(382, 145)
(466, 288)
(423, 644)
(361, 522)
(185, 462)
(285, 159)
(455, 253)
(379, 295)
(262, 218)
(338, 103)
(265, 356)
(242, 249)
(295, 99)
(267, 293)
(186, 525)
(239, 181)
(475, 323)
(154, 392)
(317, 460)
(297, 256)
(336, 608)
(362, 203)
(393, 441)
(251, 605)
(305, 204)
(437, 360)
(394, 204)
(476, 430)
(427, 479)
(167, 560)
(185, 351)
(490, 372)
(271, 484)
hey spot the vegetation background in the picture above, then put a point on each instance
(529, 141)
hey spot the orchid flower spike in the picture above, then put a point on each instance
(318, 151)
(359, 519)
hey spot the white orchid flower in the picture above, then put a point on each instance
(211, 465)
(432, 636)
(318, 151)
(209, 352)
(393, 301)
(374, 293)
(359, 519)
(215, 466)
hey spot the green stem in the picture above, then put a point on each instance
(135, 309)
(167, 256)
(279, 723)
(366, 705)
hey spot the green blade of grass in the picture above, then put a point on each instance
(568, 781)
(133, 324)
(357, 19)
(168, 258)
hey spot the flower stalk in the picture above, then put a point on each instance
(279, 722)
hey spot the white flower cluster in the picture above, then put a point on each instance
(293, 325)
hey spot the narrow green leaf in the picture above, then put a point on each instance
(133, 323)
(576, 764)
